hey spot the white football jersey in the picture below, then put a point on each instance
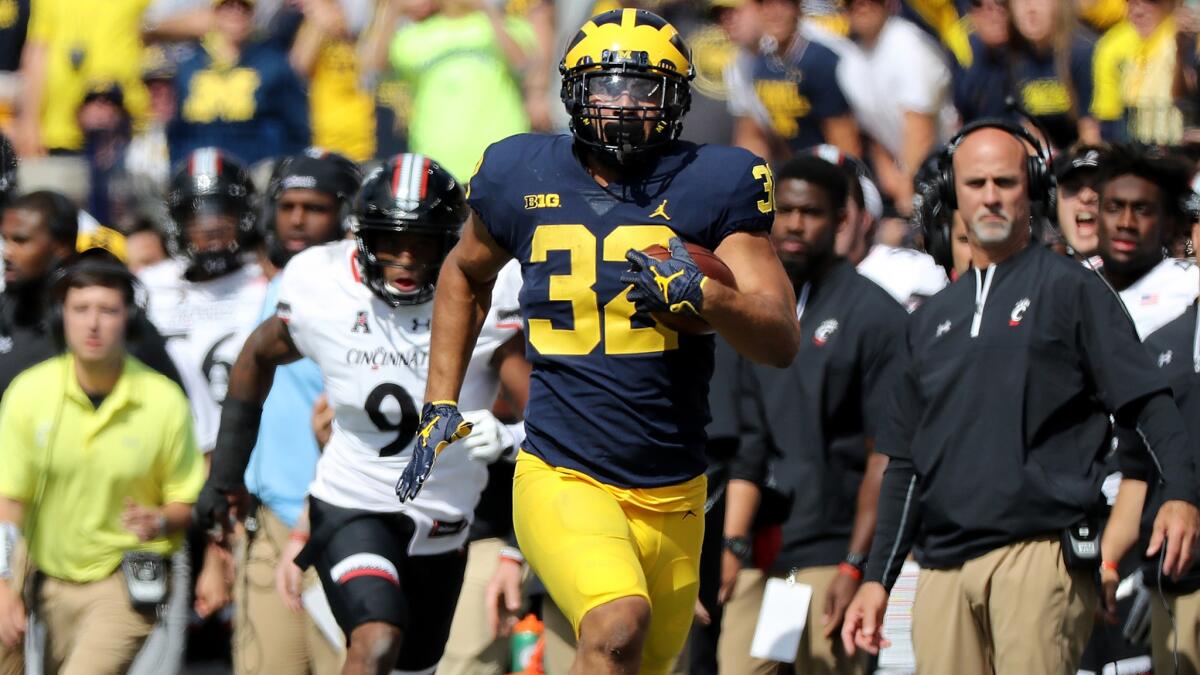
(910, 276)
(374, 360)
(205, 324)
(1162, 294)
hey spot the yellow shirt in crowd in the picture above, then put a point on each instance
(1133, 79)
(138, 444)
(343, 113)
(87, 42)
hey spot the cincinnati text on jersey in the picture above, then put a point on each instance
(379, 357)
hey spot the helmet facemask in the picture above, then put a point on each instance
(625, 112)
(374, 267)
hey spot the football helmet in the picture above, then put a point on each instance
(8, 170)
(210, 182)
(410, 194)
(314, 169)
(627, 68)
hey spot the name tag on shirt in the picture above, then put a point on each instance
(781, 621)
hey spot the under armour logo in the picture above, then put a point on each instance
(1164, 359)
(661, 211)
(420, 324)
(942, 329)
(360, 324)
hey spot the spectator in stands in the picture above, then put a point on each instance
(148, 160)
(14, 22)
(464, 63)
(123, 473)
(144, 245)
(325, 52)
(900, 91)
(981, 79)
(1078, 198)
(238, 93)
(1134, 71)
(1051, 70)
(792, 99)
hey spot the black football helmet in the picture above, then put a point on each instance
(209, 181)
(8, 170)
(626, 67)
(411, 193)
(314, 169)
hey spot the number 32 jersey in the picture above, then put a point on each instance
(374, 360)
(613, 395)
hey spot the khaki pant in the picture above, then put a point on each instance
(1186, 610)
(816, 654)
(471, 648)
(91, 629)
(1016, 609)
(268, 637)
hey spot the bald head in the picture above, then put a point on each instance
(990, 182)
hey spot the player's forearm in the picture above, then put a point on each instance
(760, 326)
(867, 505)
(1121, 532)
(459, 309)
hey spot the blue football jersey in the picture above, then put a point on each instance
(613, 394)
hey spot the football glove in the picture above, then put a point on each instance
(673, 285)
(490, 438)
(441, 424)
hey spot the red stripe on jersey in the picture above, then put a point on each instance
(424, 177)
(508, 326)
(368, 572)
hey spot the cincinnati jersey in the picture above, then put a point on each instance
(612, 394)
(1161, 294)
(205, 324)
(374, 360)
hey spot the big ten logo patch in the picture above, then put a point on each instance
(543, 201)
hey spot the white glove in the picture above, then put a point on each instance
(489, 439)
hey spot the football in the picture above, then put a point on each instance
(712, 267)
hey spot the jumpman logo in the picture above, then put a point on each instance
(661, 211)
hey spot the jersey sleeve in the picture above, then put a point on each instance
(292, 292)
(506, 299)
(750, 205)
(486, 195)
(17, 480)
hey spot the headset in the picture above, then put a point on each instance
(107, 268)
(1037, 166)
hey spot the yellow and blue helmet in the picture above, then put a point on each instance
(626, 83)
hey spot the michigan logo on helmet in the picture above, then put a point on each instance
(626, 78)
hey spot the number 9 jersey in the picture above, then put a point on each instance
(374, 360)
(613, 394)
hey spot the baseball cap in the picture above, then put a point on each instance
(1086, 157)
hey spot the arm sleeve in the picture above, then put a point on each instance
(885, 334)
(1161, 429)
(183, 466)
(18, 478)
(485, 194)
(1106, 103)
(1133, 459)
(898, 429)
(896, 526)
(1112, 355)
(755, 447)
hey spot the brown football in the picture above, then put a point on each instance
(712, 267)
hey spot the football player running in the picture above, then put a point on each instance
(609, 492)
(361, 310)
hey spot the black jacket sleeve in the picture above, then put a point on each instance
(896, 525)
(1164, 438)
(752, 461)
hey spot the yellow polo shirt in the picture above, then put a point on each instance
(137, 444)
